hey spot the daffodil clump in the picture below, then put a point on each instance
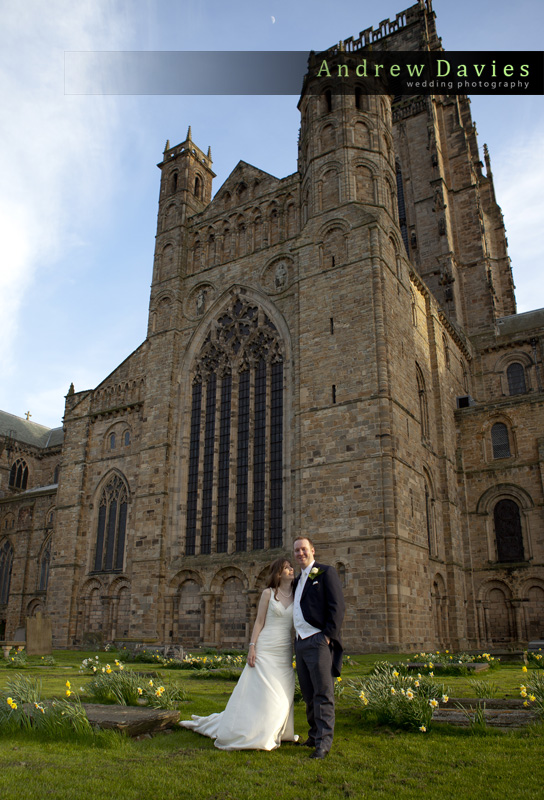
(399, 699)
(450, 663)
(16, 658)
(114, 684)
(21, 708)
(210, 662)
(535, 658)
(532, 691)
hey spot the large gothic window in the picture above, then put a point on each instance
(235, 459)
(508, 531)
(112, 523)
(6, 561)
(18, 476)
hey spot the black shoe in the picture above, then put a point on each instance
(306, 742)
(319, 752)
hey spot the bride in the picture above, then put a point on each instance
(259, 714)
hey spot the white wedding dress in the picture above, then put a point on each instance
(259, 714)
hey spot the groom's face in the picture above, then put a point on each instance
(304, 553)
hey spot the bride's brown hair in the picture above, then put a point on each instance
(274, 576)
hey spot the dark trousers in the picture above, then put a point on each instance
(314, 668)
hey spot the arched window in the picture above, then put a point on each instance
(56, 474)
(18, 476)
(43, 564)
(112, 441)
(423, 404)
(198, 188)
(174, 184)
(429, 518)
(327, 96)
(516, 378)
(6, 562)
(126, 438)
(112, 523)
(239, 367)
(401, 203)
(508, 532)
(499, 441)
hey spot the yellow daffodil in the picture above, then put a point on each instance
(68, 685)
(525, 703)
(410, 694)
(445, 698)
(393, 690)
(433, 703)
(395, 674)
(140, 691)
(423, 729)
(532, 698)
(523, 693)
(524, 669)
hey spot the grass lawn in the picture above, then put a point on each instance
(366, 761)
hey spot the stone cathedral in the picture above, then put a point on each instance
(335, 353)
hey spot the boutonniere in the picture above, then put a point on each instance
(314, 573)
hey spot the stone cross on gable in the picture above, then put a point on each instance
(28, 414)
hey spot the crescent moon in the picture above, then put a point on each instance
(273, 20)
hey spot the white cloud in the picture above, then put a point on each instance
(47, 183)
(519, 176)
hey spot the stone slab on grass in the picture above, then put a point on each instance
(506, 712)
(132, 720)
(494, 718)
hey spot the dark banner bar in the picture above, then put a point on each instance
(285, 72)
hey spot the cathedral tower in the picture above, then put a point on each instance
(185, 190)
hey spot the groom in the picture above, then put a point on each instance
(318, 612)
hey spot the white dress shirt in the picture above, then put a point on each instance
(303, 629)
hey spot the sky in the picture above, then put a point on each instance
(79, 185)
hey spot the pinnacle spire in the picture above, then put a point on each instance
(188, 137)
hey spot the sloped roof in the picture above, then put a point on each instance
(28, 432)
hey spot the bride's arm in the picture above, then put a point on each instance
(259, 625)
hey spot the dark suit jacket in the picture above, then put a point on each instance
(322, 604)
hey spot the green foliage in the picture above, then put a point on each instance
(476, 718)
(398, 699)
(131, 689)
(535, 658)
(533, 692)
(17, 658)
(23, 689)
(484, 688)
(447, 663)
(114, 687)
